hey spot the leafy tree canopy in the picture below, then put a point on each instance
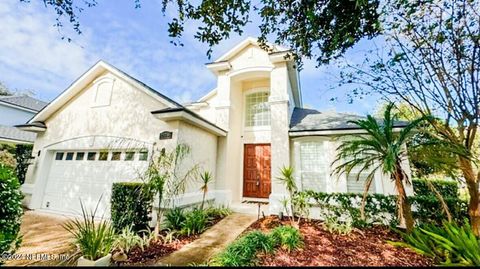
(4, 91)
(320, 29)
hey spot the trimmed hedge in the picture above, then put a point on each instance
(446, 188)
(428, 206)
(131, 205)
(11, 210)
(378, 207)
(381, 208)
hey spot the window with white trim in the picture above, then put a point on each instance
(358, 186)
(313, 166)
(257, 109)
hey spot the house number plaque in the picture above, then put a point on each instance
(165, 135)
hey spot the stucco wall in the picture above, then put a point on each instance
(203, 153)
(336, 183)
(124, 122)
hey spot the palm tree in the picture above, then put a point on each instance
(383, 150)
(290, 184)
(206, 178)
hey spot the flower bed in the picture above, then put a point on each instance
(366, 247)
(158, 249)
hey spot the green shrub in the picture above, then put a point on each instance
(175, 218)
(378, 207)
(10, 210)
(94, 239)
(446, 188)
(243, 251)
(127, 240)
(429, 209)
(23, 154)
(195, 222)
(287, 237)
(450, 244)
(218, 212)
(131, 206)
(381, 208)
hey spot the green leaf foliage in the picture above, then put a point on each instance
(94, 238)
(23, 154)
(175, 218)
(131, 206)
(195, 222)
(448, 189)
(450, 244)
(11, 210)
(380, 208)
(313, 29)
(244, 250)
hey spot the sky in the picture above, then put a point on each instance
(34, 57)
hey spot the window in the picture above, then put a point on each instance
(143, 156)
(91, 156)
(313, 166)
(80, 156)
(69, 156)
(129, 156)
(59, 156)
(257, 109)
(116, 156)
(103, 156)
(355, 186)
(358, 186)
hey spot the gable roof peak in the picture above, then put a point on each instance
(243, 44)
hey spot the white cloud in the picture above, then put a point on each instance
(32, 55)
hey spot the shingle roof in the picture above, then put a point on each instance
(304, 119)
(24, 101)
(12, 133)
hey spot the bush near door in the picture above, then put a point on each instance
(130, 206)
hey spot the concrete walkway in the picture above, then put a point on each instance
(211, 242)
(44, 239)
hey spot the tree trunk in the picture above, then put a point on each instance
(472, 185)
(203, 200)
(405, 207)
(442, 201)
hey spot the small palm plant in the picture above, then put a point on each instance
(165, 178)
(290, 184)
(205, 178)
(383, 150)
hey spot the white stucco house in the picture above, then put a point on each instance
(17, 109)
(107, 124)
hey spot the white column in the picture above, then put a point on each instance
(280, 140)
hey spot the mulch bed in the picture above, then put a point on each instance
(157, 249)
(367, 247)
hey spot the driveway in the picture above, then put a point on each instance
(44, 240)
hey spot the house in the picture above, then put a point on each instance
(107, 124)
(17, 110)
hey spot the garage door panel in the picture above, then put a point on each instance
(72, 180)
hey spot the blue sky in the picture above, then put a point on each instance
(34, 57)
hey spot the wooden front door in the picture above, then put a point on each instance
(256, 171)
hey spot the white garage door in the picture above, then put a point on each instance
(88, 176)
